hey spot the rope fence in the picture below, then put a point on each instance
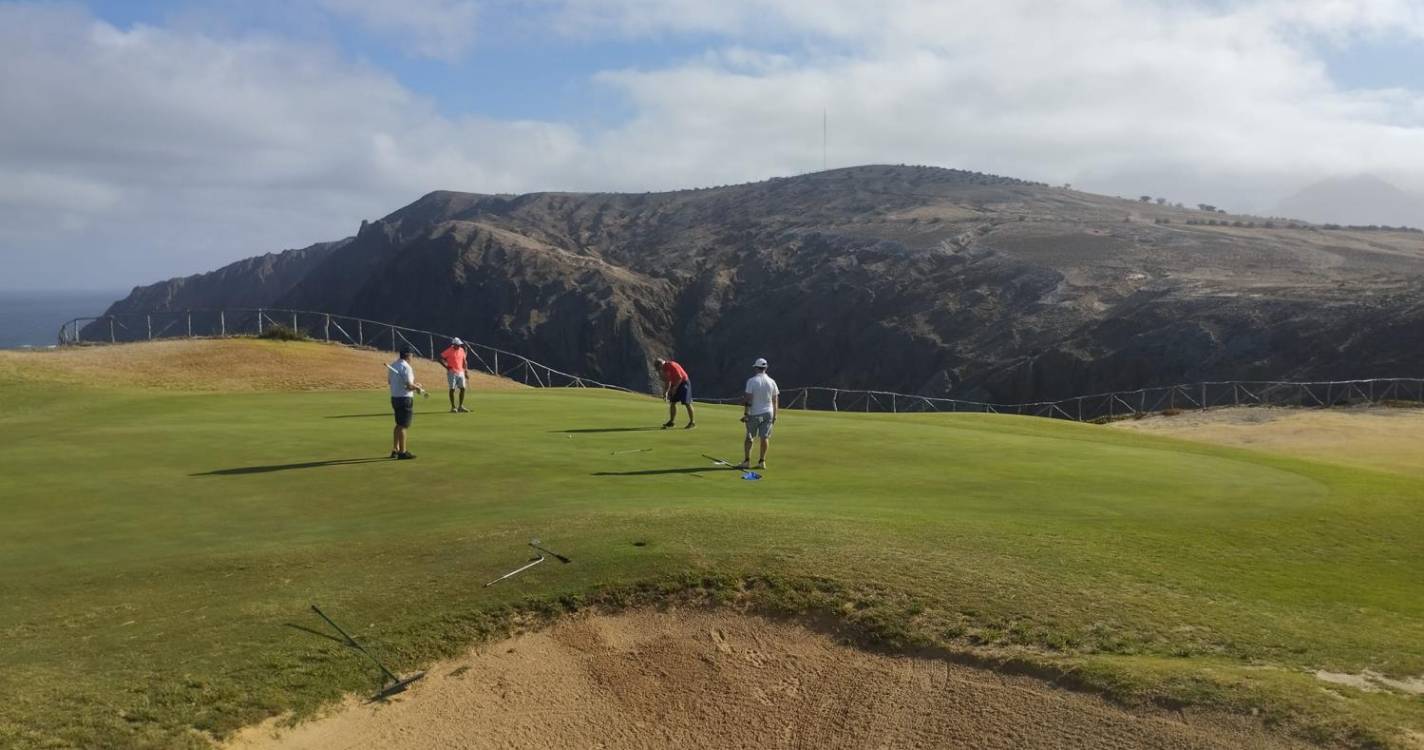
(1101, 407)
(340, 329)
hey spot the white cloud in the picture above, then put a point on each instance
(439, 29)
(145, 152)
(178, 151)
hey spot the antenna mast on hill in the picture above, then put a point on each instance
(823, 140)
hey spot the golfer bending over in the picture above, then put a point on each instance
(403, 389)
(454, 359)
(677, 389)
(760, 403)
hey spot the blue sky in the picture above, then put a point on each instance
(151, 138)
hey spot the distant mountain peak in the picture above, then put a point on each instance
(1360, 199)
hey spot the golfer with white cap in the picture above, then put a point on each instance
(454, 360)
(760, 404)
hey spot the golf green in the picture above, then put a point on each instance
(161, 550)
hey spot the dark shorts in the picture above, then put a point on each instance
(682, 394)
(404, 409)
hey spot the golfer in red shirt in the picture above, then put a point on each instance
(677, 390)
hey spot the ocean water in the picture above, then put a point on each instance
(33, 318)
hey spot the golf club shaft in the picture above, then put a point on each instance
(352, 643)
(513, 572)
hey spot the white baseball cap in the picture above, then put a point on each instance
(760, 363)
(457, 342)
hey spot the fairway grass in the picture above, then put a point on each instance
(161, 550)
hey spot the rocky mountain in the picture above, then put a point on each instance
(1361, 200)
(254, 282)
(913, 279)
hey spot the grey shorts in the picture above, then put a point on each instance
(759, 426)
(455, 380)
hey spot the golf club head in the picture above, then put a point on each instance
(398, 686)
(536, 544)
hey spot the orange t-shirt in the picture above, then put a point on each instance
(454, 358)
(674, 374)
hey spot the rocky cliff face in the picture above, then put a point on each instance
(900, 278)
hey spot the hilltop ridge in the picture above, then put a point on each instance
(918, 279)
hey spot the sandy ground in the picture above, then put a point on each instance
(226, 365)
(695, 678)
(1385, 438)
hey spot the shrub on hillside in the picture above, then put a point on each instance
(279, 332)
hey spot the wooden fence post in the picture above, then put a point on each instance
(222, 324)
(148, 324)
(111, 329)
(259, 321)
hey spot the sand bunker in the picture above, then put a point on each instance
(1371, 437)
(722, 680)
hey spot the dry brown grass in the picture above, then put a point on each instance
(1375, 437)
(225, 365)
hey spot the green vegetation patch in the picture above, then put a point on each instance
(161, 550)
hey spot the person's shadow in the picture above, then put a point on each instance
(610, 429)
(286, 467)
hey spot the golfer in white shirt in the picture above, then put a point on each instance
(761, 402)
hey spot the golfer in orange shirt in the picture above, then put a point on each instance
(454, 359)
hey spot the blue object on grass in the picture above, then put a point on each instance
(751, 475)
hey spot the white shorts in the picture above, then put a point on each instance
(456, 380)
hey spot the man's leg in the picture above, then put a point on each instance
(691, 420)
(396, 439)
(462, 397)
(452, 398)
(747, 452)
(672, 413)
(765, 443)
(400, 439)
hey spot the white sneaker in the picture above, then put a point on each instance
(761, 464)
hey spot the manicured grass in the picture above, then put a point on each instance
(160, 550)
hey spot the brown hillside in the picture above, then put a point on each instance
(224, 365)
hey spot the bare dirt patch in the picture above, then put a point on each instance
(1372, 437)
(722, 680)
(1373, 682)
(226, 365)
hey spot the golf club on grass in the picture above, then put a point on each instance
(390, 683)
(515, 571)
(725, 464)
(535, 544)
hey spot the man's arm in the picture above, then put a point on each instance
(775, 406)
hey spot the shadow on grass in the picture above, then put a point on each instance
(286, 467)
(357, 416)
(611, 429)
(650, 472)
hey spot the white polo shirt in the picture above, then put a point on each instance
(398, 374)
(763, 390)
